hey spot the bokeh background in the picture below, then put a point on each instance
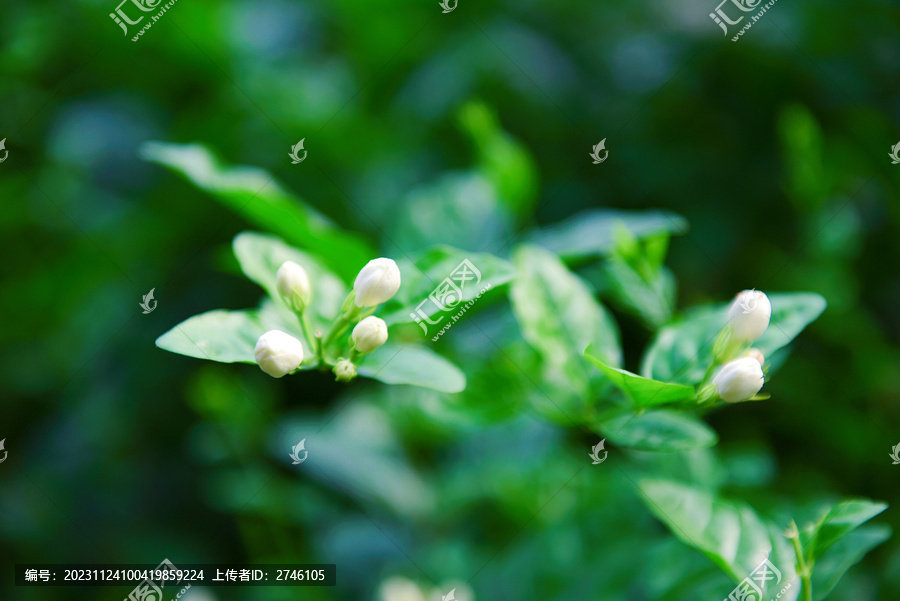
(774, 148)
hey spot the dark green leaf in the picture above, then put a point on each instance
(257, 196)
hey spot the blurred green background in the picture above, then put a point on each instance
(425, 128)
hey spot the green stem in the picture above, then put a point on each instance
(803, 569)
(339, 327)
(353, 313)
(320, 350)
(304, 326)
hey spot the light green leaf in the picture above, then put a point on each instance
(837, 523)
(643, 391)
(220, 335)
(651, 301)
(845, 554)
(257, 196)
(260, 256)
(415, 365)
(731, 534)
(593, 233)
(483, 272)
(559, 317)
(657, 430)
(463, 207)
(682, 351)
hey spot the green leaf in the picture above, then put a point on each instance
(504, 161)
(651, 301)
(434, 267)
(845, 554)
(643, 391)
(657, 430)
(682, 351)
(791, 313)
(258, 197)
(593, 233)
(809, 181)
(415, 365)
(559, 317)
(463, 207)
(731, 534)
(837, 523)
(260, 256)
(220, 335)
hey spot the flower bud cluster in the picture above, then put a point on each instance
(279, 353)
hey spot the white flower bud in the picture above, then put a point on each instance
(344, 370)
(293, 285)
(739, 380)
(377, 282)
(749, 315)
(369, 334)
(278, 354)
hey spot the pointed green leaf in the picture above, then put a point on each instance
(644, 391)
(415, 365)
(837, 523)
(220, 335)
(731, 534)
